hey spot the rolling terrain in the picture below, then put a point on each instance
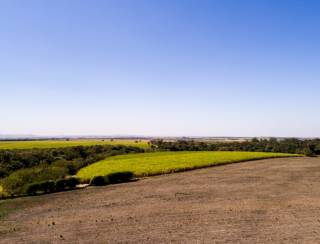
(265, 201)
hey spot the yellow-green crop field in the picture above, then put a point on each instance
(70, 143)
(146, 164)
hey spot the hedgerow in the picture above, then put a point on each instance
(51, 186)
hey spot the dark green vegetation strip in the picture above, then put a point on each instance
(294, 146)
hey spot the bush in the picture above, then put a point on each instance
(40, 187)
(32, 189)
(64, 184)
(19, 180)
(60, 185)
(51, 186)
(47, 186)
(99, 181)
(112, 178)
(3, 195)
(120, 177)
(309, 153)
(71, 166)
(51, 173)
(72, 182)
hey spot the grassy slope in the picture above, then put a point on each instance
(167, 162)
(64, 143)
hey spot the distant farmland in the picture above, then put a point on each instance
(145, 164)
(70, 143)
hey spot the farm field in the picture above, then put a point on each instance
(70, 143)
(265, 201)
(146, 164)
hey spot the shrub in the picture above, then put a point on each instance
(39, 187)
(64, 184)
(99, 181)
(71, 166)
(32, 189)
(112, 178)
(51, 173)
(60, 185)
(120, 177)
(72, 182)
(308, 152)
(47, 186)
(18, 181)
(3, 195)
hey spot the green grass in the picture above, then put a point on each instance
(146, 164)
(70, 143)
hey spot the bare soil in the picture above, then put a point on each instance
(266, 201)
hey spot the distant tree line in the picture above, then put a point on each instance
(292, 145)
(20, 168)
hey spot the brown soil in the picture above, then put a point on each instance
(267, 201)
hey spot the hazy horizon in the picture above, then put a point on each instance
(160, 68)
(116, 135)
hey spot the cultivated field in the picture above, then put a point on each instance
(146, 164)
(265, 201)
(69, 143)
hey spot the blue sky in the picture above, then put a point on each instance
(166, 68)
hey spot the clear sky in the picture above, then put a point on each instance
(166, 68)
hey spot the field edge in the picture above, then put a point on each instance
(194, 167)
